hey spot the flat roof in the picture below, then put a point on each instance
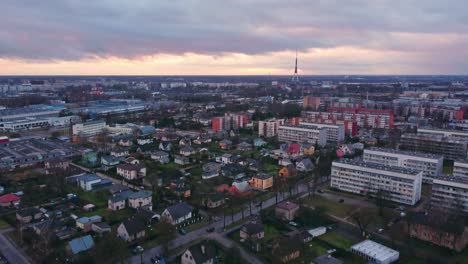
(405, 152)
(377, 166)
(376, 250)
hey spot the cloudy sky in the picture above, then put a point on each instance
(228, 37)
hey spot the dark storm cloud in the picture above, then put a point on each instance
(77, 29)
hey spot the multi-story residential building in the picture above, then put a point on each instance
(368, 118)
(229, 121)
(430, 164)
(460, 169)
(335, 133)
(448, 146)
(311, 102)
(90, 128)
(450, 193)
(299, 134)
(350, 127)
(396, 184)
(446, 133)
(269, 128)
(131, 171)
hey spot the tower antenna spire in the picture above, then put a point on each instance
(295, 77)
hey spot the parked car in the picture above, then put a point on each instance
(341, 200)
(292, 223)
(210, 230)
(182, 231)
(138, 249)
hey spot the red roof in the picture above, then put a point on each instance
(8, 198)
(294, 148)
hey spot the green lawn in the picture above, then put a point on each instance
(331, 207)
(4, 224)
(337, 240)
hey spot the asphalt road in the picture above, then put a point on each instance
(218, 225)
(11, 253)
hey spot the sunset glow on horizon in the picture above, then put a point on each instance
(232, 38)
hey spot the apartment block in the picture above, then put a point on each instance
(269, 128)
(460, 169)
(90, 128)
(335, 133)
(300, 134)
(229, 121)
(350, 127)
(398, 184)
(430, 164)
(450, 193)
(446, 133)
(367, 118)
(450, 147)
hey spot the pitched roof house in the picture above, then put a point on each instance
(131, 229)
(177, 213)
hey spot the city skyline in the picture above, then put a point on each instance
(233, 38)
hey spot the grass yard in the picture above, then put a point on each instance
(337, 240)
(331, 207)
(4, 224)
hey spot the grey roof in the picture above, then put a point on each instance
(203, 257)
(404, 152)
(133, 226)
(140, 194)
(179, 210)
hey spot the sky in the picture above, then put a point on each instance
(233, 37)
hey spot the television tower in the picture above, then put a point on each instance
(295, 77)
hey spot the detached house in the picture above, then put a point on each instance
(131, 171)
(286, 210)
(187, 151)
(262, 181)
(305, 165)
(288, 171)
(131, 229)
(177, 213)
(181, 160)
(252, 231)
(215, 200)
(203, 253)
(85, 223)
(140, 199)
(28, 215)
(225, 144)
(165, 146)
(160, 156)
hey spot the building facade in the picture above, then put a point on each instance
(299, 134)
(335, 133)
(430, 164)
(90, 128)
(460, 169)
(395, 184)
(450, 147)
(269, 128)
(450, 193)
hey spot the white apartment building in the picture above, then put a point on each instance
(300, 134)
(460, 169)
(335, 133)
(269, 128)
(90, 128)
(431, 165)
(450, 193)
(398, 184)
(446, 133)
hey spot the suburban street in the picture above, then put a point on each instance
(218, 225)
(10, 251)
